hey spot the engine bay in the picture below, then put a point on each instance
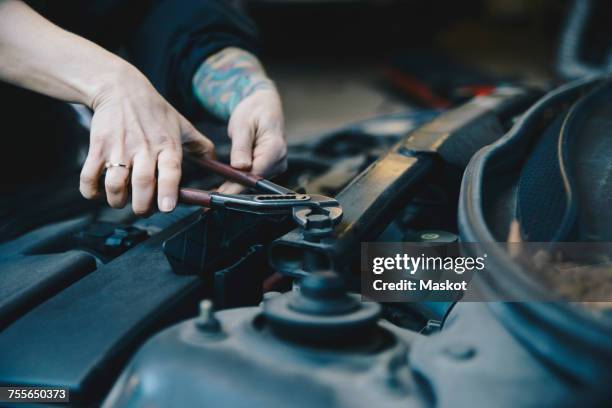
(254, 309)
(95, 261)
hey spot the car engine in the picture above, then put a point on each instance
(246, 310)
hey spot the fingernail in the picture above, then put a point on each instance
(167, 204)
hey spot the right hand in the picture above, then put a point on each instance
(134, 125)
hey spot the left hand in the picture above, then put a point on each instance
(256, 127)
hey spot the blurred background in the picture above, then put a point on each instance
(339, 61)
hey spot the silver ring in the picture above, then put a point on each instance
(108, 165)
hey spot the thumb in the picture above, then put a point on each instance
(195, 143)
(241, 156)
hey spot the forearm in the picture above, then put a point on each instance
(226, 78)
(38, 55)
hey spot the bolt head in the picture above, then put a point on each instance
(207, 321)
(318, 221)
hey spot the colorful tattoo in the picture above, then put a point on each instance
(226, 78)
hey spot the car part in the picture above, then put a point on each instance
(94, 309)
(563, 335)
(570, 61)
(373, 198)
(279, 200)
(286, 352)
(270, 354)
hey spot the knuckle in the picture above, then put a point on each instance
(88, 180)
(115, 187)
(144, 145)
(87, 193)
(99, 136)
(241, 148)
(140, 210)
(208, 145)
(169, 163)
(165, 141)
(282, 152)
(170, 143)
(116, 203)
(97, 147)
(96, 150)
(268, 121)
(201, 147)
(168, 180)
(143, 179)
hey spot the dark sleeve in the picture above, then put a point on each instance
(176, 36)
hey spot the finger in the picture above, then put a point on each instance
(143, 183)
(268, 165)
(270, 158)
(229, 187)
(116, 185)
(243, 136)
(116, 180)
(91, 172)
(195, 143)
(168, 179)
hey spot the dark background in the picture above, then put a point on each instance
(342, 61)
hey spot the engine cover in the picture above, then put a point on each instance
(245, 358)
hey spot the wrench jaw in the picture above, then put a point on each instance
(315, 213)
(317, 221)
(259, 204)
(259, 201)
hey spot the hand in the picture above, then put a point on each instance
(133, 125)
(256, 127)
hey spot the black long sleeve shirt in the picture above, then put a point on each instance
(166, 39)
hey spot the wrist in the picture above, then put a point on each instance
(251, 85)
(112, 76)
(221, 97)
(227, 78)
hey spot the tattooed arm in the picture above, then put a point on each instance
(226, 78)
(233, 85)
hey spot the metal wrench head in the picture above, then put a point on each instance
(318, 212)
(309, 210)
